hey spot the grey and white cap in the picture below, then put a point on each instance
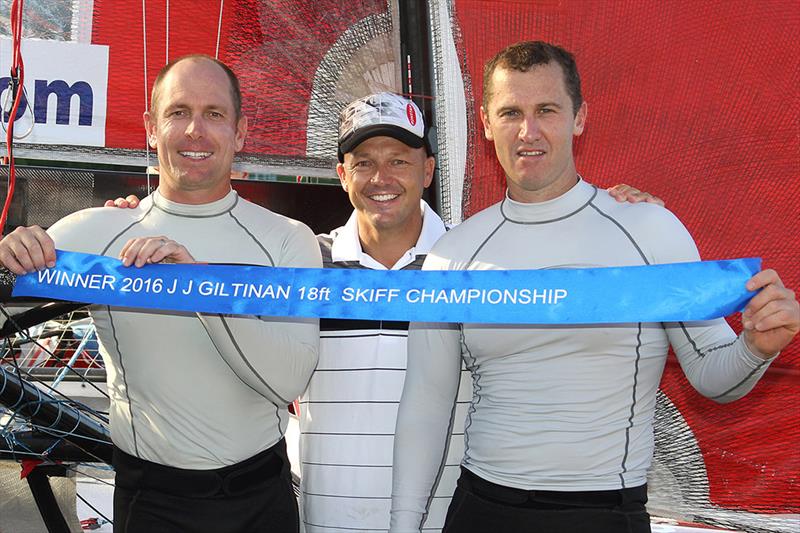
(384, 113)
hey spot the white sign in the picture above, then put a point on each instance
(66, 85)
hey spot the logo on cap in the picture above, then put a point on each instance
(385, 114)
(412, 115)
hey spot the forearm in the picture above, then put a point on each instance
(424, 421)
(274, 356)
(421, 439)
(716, 362)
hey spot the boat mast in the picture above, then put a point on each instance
(416, 59)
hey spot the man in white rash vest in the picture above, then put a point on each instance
(558, 435)
(198, 401)
(348, 412)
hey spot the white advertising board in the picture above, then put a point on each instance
(66, 87)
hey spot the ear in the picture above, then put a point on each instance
(342, 176)
(430, 166)
(150, 128)
(487, 128)
(241, 133)
(580, 120)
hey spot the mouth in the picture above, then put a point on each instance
(383, 197)
(530, 153)
(196, 156)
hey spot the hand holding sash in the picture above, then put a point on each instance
(772, 318)
(158, 249)
(27, 250)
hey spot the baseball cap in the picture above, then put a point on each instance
(384, 113)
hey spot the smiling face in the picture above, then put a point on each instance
(196, 131)
(531, 121)
(384, 179)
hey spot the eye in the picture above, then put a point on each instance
(545, 110)
(363, 164)
(177, 113)
(399, 162)
(215, 114)
(508, 113)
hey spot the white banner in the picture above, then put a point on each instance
(66, 85)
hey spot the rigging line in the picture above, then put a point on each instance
(29, 378)
(19, 330)
(14, 362)
(167, 38)
(6, 105)
(28, 375)
(77, 352)
(24, 374)
(67, 433)
(15, 440)
(93, 508)
(146, 103)
(76, 468)
(19, 451)
(219, 28)
(32, 378)
(17, 82)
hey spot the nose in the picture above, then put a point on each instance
(382, 173)
(529, 129)
(195, 127)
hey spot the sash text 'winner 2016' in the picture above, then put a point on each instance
(658, 293)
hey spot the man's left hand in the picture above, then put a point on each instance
(143, 250)
(129, 202)
(772, 318)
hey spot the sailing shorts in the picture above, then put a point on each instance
(252, 496)
(479, 506)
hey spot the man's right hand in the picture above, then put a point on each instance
(27, 250)
(129, 202)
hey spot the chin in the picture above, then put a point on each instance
(383, 222)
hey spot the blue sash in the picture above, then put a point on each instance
(658, 293)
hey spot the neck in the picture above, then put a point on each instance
(548, 192)
(193, 197)
(388, 246)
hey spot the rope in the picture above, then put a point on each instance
(167, 37)
(219, 28)
(146, 102)
(17, 90)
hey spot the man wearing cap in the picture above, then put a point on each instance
(347, 415)
(348, 412)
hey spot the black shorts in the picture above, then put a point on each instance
(253, 496)
(480, 506)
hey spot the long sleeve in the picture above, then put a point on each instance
(424, 420)
(273, 356)
(718, 364)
